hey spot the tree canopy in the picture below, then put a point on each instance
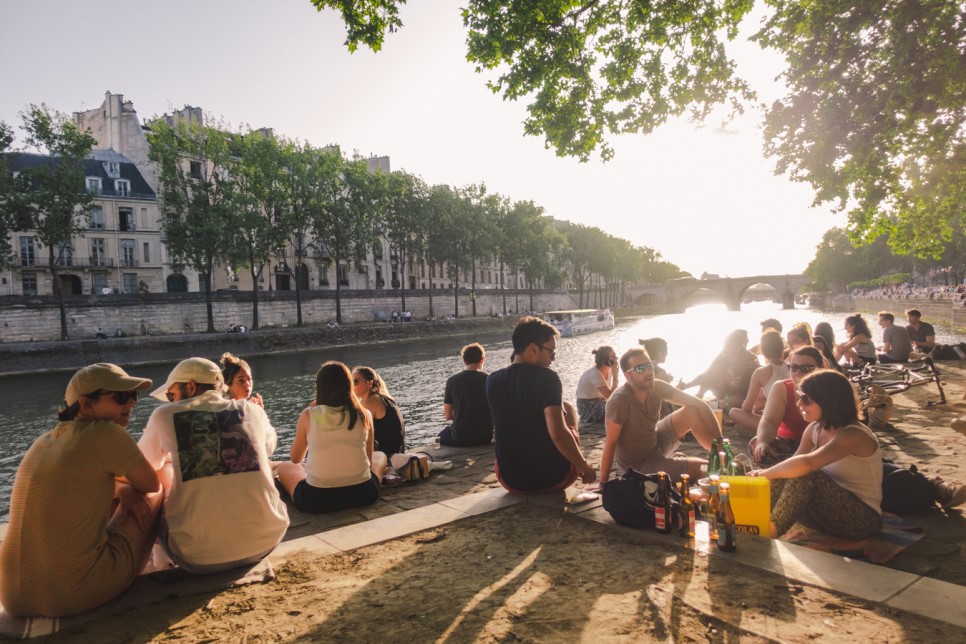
(873, 117)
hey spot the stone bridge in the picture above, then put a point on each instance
(676, 295)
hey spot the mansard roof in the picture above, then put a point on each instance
(93, 167)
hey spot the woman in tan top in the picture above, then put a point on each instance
(64, 552)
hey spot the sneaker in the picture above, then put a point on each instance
(949, 494)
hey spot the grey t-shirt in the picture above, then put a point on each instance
(899, 339)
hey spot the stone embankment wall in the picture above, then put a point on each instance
(26, 357)
(38, 319)
(941, 311)
(154, 330)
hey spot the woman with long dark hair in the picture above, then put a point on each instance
(387, 418)
(834, 480)
(859, 349)
(342, 470)
(238, 378)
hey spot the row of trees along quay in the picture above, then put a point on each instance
(240, 197)
(873, 114)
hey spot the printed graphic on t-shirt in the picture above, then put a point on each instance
(213, 443)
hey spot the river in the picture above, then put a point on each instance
(415, 373)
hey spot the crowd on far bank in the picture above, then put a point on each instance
(89, 504)
(948, 293)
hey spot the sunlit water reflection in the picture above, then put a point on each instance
(415, 372)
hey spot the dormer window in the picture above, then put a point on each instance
(122, 187)
(113, 168)
(94, 185)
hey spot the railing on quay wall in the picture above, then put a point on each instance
(945, 311)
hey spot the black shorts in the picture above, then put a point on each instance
(332, 499)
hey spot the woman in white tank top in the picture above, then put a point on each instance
(772, 347)
(834, 480)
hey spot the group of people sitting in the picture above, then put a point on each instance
(89, 503)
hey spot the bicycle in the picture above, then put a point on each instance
(897, 378)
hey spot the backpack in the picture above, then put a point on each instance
(906, 491)
(630, 498)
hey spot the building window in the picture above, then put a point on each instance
(97, 219)
(65, 254)
(147, 253)
(122, 187)
(98, 256)
(28, 282)
(144, 219)
(343, 272)
(128, 257)
(99, 283)
(27, 257)
(130, 282)
(94, 185)
(113, 169)
(125, 219)
(196, 170)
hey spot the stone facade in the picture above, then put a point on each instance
(178, 313)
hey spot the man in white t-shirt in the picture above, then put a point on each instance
(221, 507)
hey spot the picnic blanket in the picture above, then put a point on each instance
(897, 534)
(147, 589)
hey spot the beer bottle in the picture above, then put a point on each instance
(727, 532)
(663, 518)
(714, 504)
(686, 510)
(722, 463)
(713, 457)
(729, 467)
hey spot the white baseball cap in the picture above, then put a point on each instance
(201, 370)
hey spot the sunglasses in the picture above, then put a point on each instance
(803, 368)
(641, 368)
(553, 352)
(804, 400)
(120, 397)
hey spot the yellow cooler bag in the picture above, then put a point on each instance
(751, 503)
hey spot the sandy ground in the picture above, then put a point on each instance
(536, 574)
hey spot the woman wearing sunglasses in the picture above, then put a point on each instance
(781, 426)
(65, 552)
(834, 479)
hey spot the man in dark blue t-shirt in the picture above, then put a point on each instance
(537, 442)
(464, 402)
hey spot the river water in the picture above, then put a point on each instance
(415, 372)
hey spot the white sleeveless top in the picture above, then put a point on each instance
(778, 372)
(860, 475)
(337, 455)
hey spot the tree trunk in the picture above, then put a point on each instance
(298, 294)
(338, 291)
(209, 305)
(502, 287)
(254, 297)
(59, 292)
(430, 264)
(402, 277)
(473, 285)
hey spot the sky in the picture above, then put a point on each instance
(703, 196)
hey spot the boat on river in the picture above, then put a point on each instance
(580, 321)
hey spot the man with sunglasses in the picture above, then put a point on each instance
(637, 437)
(537, 440)
(781, 426)
(221, 507)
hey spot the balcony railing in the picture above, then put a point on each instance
(127, 262)
(68, 262)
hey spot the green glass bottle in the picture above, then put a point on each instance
(729, 467)
(713, 465)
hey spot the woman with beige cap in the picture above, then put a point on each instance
(64, 552)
